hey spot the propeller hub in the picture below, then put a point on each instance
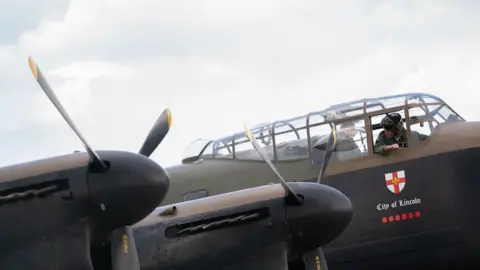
(130, 190)
(324, 214)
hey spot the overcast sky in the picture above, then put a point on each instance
(116, 64)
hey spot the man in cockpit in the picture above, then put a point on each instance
(394, 135)
(346, 146)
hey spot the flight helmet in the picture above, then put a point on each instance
(391, 121)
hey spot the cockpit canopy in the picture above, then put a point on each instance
(194, 149)
(299, 137)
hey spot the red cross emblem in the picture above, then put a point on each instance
(395, 181)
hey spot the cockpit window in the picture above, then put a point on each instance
(294, 138)
(244, 149)
(385, 103)
(448, 114)
(421, 121)
(290, 140)
(194, 149)
(218, 150)
(351, 140)
(221, 149)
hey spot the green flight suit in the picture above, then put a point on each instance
(383, 141)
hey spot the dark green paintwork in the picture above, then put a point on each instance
(97, 210)
(362, 179)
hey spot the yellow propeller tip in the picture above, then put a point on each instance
(169, 117)
(334, 131)
(33, 67)
(247, 131)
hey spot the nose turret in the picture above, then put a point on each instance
(131, 189)
(323, 216)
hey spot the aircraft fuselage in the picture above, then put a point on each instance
(248, 229)
(414, 209)
(427, 219)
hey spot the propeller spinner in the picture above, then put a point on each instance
(126, 185)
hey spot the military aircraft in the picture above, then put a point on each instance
(416, 207)
(98, 210)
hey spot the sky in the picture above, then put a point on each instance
(117, 64)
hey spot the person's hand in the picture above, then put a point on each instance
(395, 146)
(391, 147)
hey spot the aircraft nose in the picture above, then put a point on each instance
(131, 189)
(323, 216)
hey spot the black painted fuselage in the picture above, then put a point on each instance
(429, 221)
(247, 229)
(426, 218)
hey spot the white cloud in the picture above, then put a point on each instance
(115, 65)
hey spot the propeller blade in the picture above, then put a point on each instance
(157, 133)
(124, 252)
(315, 260)
(262, 153)
(332, 141)
(53, 98)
